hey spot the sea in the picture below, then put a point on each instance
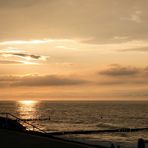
(85, 115)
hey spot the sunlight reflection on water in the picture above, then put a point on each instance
(27, 109)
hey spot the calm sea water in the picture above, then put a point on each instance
(80, 115)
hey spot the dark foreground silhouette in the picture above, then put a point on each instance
(13, 134)
(11, 124)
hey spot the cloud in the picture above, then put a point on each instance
(9, 62)
(99, 19)
(12, 62)
(135, 93)
(10, 50)
(37, 81)
(31, 56)
(134, 17)
(134, 82)
(117, 75)
(118, 71)
(109, 82)
(17, 3)
(143, 49)
(20, 58)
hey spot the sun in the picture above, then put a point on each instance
(27, 102)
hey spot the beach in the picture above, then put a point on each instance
(16, 139)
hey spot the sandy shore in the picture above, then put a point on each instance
(23, 140)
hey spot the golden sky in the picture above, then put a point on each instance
(74, 49)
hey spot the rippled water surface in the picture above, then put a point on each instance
(88, 115)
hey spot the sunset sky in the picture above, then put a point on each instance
(74, 49)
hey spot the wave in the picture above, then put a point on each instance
(107, 125)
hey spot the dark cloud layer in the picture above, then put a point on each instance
(100, 20)
(19, 3)
(48, 80)
(27, 55)
(123, 75)
(114, 76)
(118, 71)
(145, 49)
(21, 56)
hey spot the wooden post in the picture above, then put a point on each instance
(6, 120)
(112, 145)
(141, 143)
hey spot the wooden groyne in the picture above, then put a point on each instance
(36, 119)
(99, 131)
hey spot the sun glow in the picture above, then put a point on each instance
(19, 42)
(28, 102)
(43, 41)
(29, 63)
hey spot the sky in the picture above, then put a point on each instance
(74, 49)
